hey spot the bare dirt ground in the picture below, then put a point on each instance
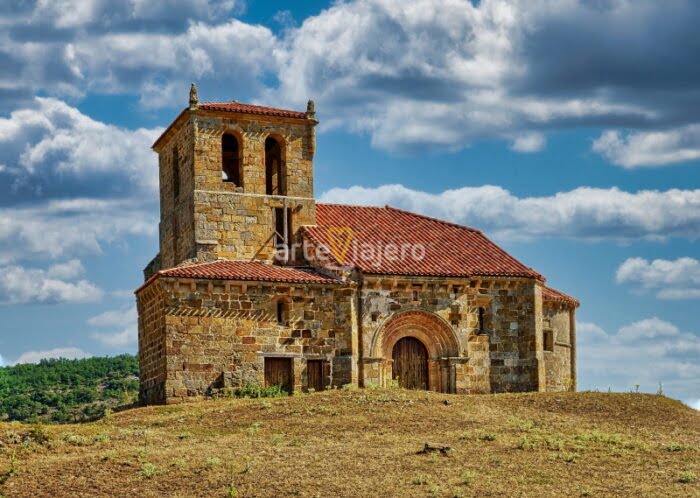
(362, 443)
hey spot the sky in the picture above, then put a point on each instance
(567, 130)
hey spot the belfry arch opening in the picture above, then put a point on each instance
(230, 160)
(275, 181)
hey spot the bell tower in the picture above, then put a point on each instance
(236, 182)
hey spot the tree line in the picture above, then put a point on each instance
(60, 390)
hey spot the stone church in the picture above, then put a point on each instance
(257, 284)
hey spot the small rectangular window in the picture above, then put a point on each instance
(281, 312)
(548, 340)
(481, 325)
(416, 292)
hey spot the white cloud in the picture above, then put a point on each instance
(68, 270)
(114, 318)
(52, 148)
(143, 61)
(2, 362)
(150, 62)
(68, 14)
(123, 294)
(529, 142)
(655, 148)
(21, 285)
(68, 353)
(63, 228)
(71, 183)
(671, 279)
(124, 327)
(585, 213)
(445, 76)
(642, 353)
(694, 404)
(117, 339)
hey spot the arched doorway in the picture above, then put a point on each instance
(410, 365)
(439, 346)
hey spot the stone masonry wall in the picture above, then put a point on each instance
(514, 323)
(177, 236)
(213, 219)
(296, 137)
(503, 358)
(152, 359)
(242, 226)
(217, 333)
(557, 319)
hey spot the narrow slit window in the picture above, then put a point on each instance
(416, 292)
(281, 312)
(176, 174)
(481, 324)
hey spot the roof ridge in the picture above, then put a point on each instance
(338, 204)
(234, 103)
(433, 218)
(245, 103)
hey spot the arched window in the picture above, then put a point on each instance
(176, 174)
(275, 182)
(230, 160)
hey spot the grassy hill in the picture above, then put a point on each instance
(366, 443)
(67, 390)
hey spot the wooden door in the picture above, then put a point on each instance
(278, 372)
(410, 363)
(314, 375)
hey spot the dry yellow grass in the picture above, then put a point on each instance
(365, 443)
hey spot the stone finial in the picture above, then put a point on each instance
(311, 110)
(194, 99)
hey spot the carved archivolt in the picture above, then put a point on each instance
(434, 332)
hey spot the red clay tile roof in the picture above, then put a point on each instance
(249, 270)
(450, 249)
(549, 294)
(251, 109)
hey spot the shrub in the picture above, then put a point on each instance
(467, 477)
(673, 447)
(252, 391)
(39, 435)
(487, 436)
(420, 480)
(525, 444)
(148, 470)
(75, 440)
(687, 477)
(232, 491)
